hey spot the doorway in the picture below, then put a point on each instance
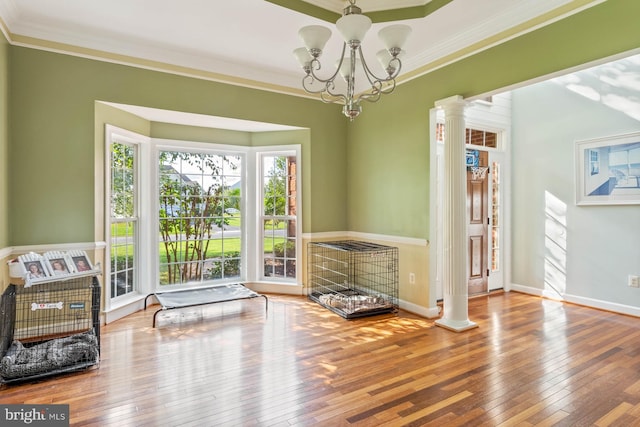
(477, 221)
(486, 191)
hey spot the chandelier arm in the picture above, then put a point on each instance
(377, 92)
(332, 98)
(353, 32)
(329, 91)
(315, 65)
(371, 76)
(308, 80)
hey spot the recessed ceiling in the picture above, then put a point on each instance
(250, 42)
(368, 5)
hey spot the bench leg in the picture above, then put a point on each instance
(145, 300)
(154, 317)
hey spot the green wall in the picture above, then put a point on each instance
(377, 183)
(53, 138)
(4, 141)
(388, 150)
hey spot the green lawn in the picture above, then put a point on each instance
(214, 249)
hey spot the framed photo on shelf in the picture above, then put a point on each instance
(81, 262)
(608, 170)
(58, 263)
(35, 269)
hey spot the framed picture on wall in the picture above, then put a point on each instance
(608, 170)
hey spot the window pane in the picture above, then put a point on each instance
(122, 260)
(122, 181)
(199, 217)
(279, 210)
(123, 221)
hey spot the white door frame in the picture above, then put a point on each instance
(436, 152)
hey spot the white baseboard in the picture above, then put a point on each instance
(428, 312)
(136, 304)
(275, 288)
(575, 299)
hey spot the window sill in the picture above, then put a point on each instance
(123, 307)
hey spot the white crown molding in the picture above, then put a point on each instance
(447, 44)
(513, 18)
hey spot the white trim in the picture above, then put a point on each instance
(5, 252)
(276, 288)
(436, 155)
(140, 143)
(387, 238)
(86, 246)
(575, 299)
(258, 154)
(428, 312)
(337, 6)
(325, 235)
(132, 305)
(413, 241)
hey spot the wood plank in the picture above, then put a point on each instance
(531, 362)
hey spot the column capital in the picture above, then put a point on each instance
(452, 105)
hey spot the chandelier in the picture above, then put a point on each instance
(353, 26)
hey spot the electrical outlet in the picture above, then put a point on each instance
(412, 278)
(634, 281)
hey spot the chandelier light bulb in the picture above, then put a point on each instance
(314, 38)
(384, 58)
(353, 27)
(303, 56)
(394, 37)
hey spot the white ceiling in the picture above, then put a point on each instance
(250, 42)
(250, 39)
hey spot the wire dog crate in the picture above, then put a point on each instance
(353, 278)
(49, 328)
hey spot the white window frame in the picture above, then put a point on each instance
(196, 147)
(260, 153)
(114, 134)
(147, 207)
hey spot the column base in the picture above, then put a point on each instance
(456, 325)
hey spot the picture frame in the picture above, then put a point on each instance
(608, 170)
(80, 261)
(58, 263)
(35, 269)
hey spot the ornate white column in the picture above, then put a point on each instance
(454, 235)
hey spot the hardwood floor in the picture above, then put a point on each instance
(531, 362)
